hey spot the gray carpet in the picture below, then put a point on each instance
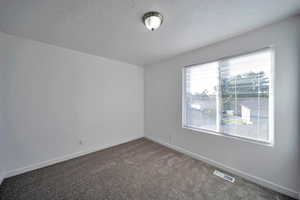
(137, 170)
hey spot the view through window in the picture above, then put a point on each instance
(231, 96)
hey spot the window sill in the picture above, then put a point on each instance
(243, 139)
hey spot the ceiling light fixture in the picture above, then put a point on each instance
(152, 20)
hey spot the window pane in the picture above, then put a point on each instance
(200, 96)
(245, 95)
(231, 96)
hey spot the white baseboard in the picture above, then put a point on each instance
(61, 159)
(254, 179)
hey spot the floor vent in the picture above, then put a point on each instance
(224, 176)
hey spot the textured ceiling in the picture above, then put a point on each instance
(113, 28)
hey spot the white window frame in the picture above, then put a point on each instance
(271, 141)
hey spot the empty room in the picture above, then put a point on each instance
(149, 100)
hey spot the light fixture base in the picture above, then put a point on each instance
(152, 20)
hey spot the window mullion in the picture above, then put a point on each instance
(219, 100)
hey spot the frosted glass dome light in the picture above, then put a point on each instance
(152, 20)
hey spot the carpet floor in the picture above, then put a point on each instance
(138, 170)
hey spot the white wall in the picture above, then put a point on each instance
(276, 167)
(2, 161)
(2, 142)
(54, 97)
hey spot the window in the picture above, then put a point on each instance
(231, 97)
